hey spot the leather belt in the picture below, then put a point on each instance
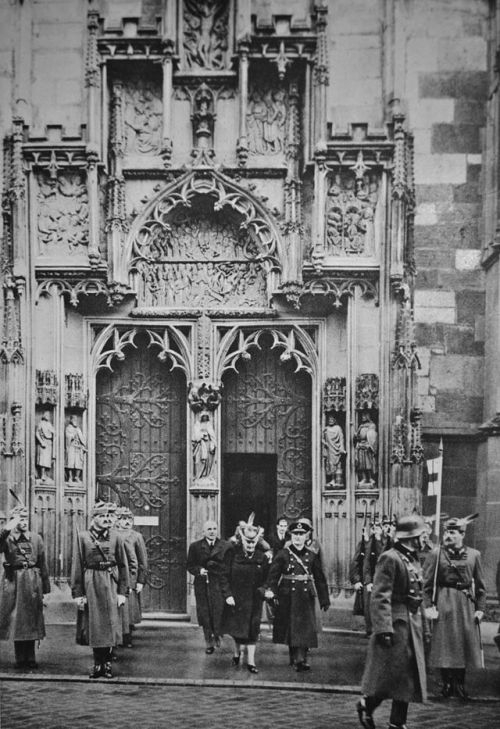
(22, 566)
(300, 578)
(101, 566)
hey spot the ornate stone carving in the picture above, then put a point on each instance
(366, 451)
(398, 451)
(367, 389)
(75, 395)
(339, 289)
(204, 395)
(143, 115)
(267, 113)
(92, 75)
(205, 34)
(416, 448)
(406, 356)
(10, 431)
(63, 213)
(203, 118)
(350, 214)
(491, 426)
(203, 349)
(199, 258)
(11, 350)
(334, 394)
(46, 387)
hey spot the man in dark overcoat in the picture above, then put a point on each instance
(395, 664)
(380, 540)
(296, 579)
(99, 585)
(137, 566)
(24, 581)
(454, 586)
(205, 562)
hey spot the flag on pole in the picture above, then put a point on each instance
(434, 481)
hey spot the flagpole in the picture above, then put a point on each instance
(438, 502)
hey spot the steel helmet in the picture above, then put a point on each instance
(410, 525)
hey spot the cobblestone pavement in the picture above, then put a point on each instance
(44, 704)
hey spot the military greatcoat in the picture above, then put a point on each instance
(396, 672)
(297, 578)
(243, 578)
(460, 592)
(138, 567)
(99, 573)
(24, 581)
(207, 588)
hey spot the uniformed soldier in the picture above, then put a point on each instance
(395, 665)
(296, 579)
(380, 540)
(138, 566)
(99, 584)
(25, 580)
(455, 597)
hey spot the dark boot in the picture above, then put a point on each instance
(20, 653)
(459, 684)
(127, 640)
(106, 670)
(365, 718)
(30, 654)
(448, 688)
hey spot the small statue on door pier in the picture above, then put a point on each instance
(44, 446)
(75, 450)
(333, 451)
(366, 453)
(204, 446)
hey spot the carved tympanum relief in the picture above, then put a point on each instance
(63, 213)
(350, 214)
(201, 259)
(266, 120)
(205, 26)
(142, 115)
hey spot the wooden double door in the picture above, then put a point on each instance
(141, 463)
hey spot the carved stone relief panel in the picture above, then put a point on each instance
(205, 34)
(200, 259)
(63, 213)
(267, 114)
(350, 214)
(142, 114)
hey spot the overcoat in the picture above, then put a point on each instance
(460, 592)
(297, 589)
(125, 610)
(207, 589)
(25, 580)
(396, 672)
(138, 568)
(243, 578)
(100, 578)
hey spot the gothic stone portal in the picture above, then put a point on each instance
(141, 463)
(266, 412)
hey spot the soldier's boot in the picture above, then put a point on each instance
(106, 670)
(30, 654)
(20, 653)
(365, 717)
(459, 684)
(448, 687)
(96, 671)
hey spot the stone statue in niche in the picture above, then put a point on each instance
(350, 215)
(266, 121)
(204, 446)
(44, 446)
(206, 25)
(75, 449)
(203, 118)
(143, 117)
(366, 450)
(333, 450)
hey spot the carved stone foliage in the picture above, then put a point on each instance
(199, 258)
(334, 394)
(205, 31)
(63, 212)
(11, 350)
(204, 395)
(267, 120)
(367, 388)
(142, 115)
(10, 431)
(350, 214)
(75, 394)
(46, 387)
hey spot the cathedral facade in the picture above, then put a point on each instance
(229, 281)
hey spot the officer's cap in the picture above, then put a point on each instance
(301, 526)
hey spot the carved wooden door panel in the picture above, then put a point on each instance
(141, 463)
(266, 409)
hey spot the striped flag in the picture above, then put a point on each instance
(434, 481)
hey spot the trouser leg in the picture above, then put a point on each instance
(20, 652)
(399, 713)
(371, 703)
(29, 653)
(209, 637)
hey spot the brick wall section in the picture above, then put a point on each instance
(447, 89)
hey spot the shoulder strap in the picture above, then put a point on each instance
(296, 556)
(109, 570)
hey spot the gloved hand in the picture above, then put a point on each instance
(120, 600)
(80, 602)
(325, 606)
(138, 588)
(369, 587)
(386, 640)
(269, 594)
(203, 572)
(431, 613)
(12, 523)
(478, 615)
(230, 601)
(358, 586)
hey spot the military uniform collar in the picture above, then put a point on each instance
(406, 553)
(103, 534)
(457, 553)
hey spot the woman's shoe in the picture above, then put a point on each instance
(235, 660)
(252, 668)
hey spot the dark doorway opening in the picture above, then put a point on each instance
(249, 484)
